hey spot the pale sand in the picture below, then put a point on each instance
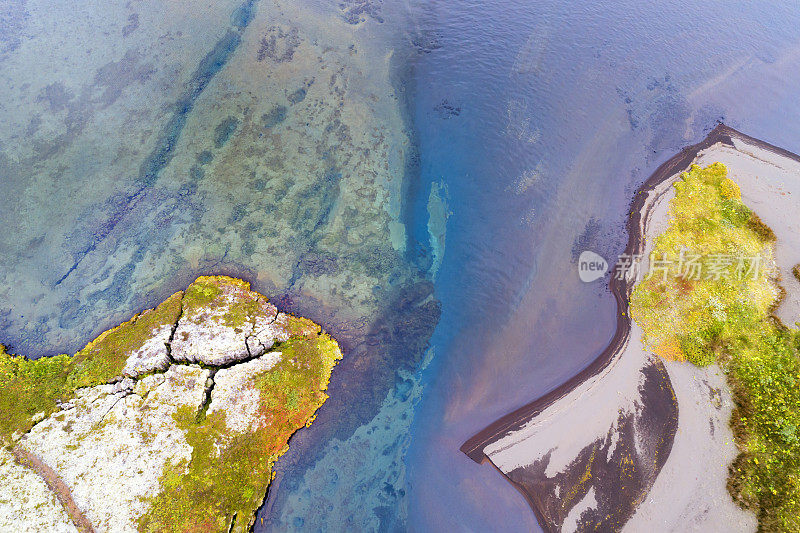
(586, 414)
(685, 497)
(690, 492)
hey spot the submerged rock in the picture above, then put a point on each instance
(178, 442)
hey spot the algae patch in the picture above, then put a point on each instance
(438, 214)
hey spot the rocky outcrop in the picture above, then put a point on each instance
(235, 395)
(152, 356)
(181, 433)
(217, 323)
(111, 443)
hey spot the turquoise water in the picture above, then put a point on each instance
(540, 119)
(414, 175)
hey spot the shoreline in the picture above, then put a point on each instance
(639, 214)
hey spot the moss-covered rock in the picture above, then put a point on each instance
(223, 321)
(145, 438)
(135, 347)
(29, 390)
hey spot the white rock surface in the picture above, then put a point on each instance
(105, 450)
(267, 333)
(111, 447)
(151, 356)
(207, 334)
(26, 503)
(235, 393)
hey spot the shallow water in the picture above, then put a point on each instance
(327, 172)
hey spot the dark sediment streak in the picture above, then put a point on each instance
(56, 485)
(167, 140)
(622, 474)
(621, 289)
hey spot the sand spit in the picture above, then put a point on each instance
(562, 451)
(588, 467)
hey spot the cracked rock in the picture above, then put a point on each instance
(113, 445)
(117, 445)
(235, 392)
(152, 356)
(216, 323)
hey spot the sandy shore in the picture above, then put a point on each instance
(690, 492)
(548, 440)
(680, 498)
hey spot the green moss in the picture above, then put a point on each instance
(208, 292)
(299, 326)
(229, 473)
(204, 493)
(763, 231)
(728, 320)
(201, 293)
(27, 388)
(299, 379)
(103, 359)
(242, 314)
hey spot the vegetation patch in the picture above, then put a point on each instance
(103, 359)
(728, 319)
(28, 388)
(31, 389)
(203, 292)
(226, 480)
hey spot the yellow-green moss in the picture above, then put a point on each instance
(209, 292)
(692, 313)
(301, 326)
(204, 493)
(229, 472)
(28, 388)
(202, 292)
(728, 320)
(103, 359)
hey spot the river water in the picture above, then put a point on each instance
(587, 97)
(135, 158)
